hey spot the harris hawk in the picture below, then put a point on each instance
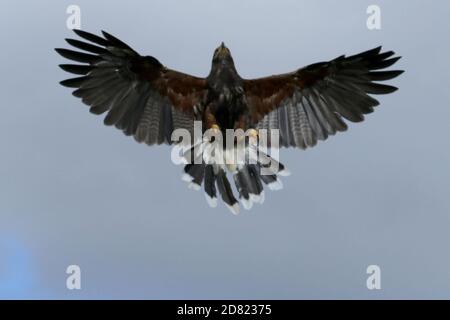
(148, 101)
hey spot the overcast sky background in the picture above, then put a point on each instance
(73, 191)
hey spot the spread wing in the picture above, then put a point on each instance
(309, 104)
(140, 96)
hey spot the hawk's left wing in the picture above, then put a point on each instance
(309, 104)
(140, 96)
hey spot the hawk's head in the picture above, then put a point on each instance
(222, 54)
(223, 69)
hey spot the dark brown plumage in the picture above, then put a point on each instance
(147, 100)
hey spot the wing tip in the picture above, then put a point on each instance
(78, 32)
(66, 83)
(393, 88)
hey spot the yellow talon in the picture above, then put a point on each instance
(211, 134)
(253, 133)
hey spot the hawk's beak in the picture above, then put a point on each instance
(223, 51)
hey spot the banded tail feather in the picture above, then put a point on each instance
(249, 181)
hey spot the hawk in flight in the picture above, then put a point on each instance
(148, 101)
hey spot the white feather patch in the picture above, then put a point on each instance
(255, 197)
(186, 178)
(276, 185)
(284, 173)
(247, 204)
(262, 197)
(212, 202)
(194, 186)
(234, 208)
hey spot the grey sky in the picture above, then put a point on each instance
(75, 192)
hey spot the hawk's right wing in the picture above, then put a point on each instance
(140, 96)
